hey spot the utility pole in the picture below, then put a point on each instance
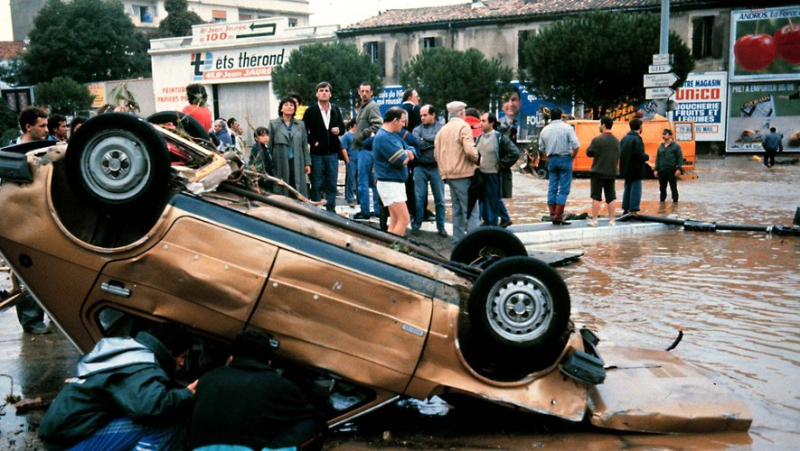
(664, 46)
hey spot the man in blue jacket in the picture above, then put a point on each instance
(391, 157)
(632, 159)
(123, 396)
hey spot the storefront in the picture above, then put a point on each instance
(234, 61)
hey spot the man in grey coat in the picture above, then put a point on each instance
(368, 121)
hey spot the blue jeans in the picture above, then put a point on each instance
(351, 179)
(324, 171)
(423, 175)
(366, 180)
(632, 195)
(560, 168)
(490, 201)
(123, 433)
(504, 216)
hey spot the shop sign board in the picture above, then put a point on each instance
(702, 99)
(757, 107)
(765, 44)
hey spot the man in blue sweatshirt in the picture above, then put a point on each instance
(391, 157)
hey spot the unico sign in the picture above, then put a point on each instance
(702, 100)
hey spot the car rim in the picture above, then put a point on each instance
(116, 165)
(519, 308)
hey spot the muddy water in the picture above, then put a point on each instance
(735, 295)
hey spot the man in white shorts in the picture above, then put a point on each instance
(391, 157)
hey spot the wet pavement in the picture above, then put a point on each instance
(736, 296)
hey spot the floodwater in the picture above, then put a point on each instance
(736, 296)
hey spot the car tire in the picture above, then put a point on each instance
(485, 245)
(118, 161)
(519, 312)
(189, 124)
(542, 173)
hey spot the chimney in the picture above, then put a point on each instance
(477, 4)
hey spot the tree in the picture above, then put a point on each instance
(85, 40)
(341, 65)
(598, 59)
(63, 95)
(441, 75)
(9, 127)
(179, 19)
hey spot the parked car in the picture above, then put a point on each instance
(109, 238)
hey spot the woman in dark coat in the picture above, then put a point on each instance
(288, 145)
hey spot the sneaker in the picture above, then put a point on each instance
(37, 329)
(592, 223)
(429, 217)
(612, 222)
(361, 216)
(443, 233)
(506, 224)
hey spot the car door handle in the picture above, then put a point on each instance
(117, 288)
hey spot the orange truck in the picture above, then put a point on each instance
(683, 132)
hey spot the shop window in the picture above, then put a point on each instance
(377, 52)
(219, 16)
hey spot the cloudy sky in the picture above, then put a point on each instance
(346, 12)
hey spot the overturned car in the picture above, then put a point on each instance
(136, 223)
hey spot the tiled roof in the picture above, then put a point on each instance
(499, 9)
(9, 49)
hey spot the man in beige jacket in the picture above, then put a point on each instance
(457, 157)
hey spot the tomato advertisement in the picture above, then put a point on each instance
(766, 44)
(755, 108)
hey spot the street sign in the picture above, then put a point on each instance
(661, 58)
(660, 68)
(659, 80)
(658, 93)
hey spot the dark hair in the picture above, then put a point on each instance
(473, 112)
(667, 131)
(260, 131)
(232, 121)
(53, 122)
(773, 129)
(607, 121)
(176, 338)
(555, 114)
(350, 124)
(76, 121)
(408, 93)
(492, 119)
(393, 113)
(197, 95)
(506, 96)
(298, 100)
(253, 344)
(30, 116)
(636, 124)
(366, 83)
(431, 110)
(323, 84)
(284, 101)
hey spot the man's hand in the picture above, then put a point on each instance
(345, 156)
(677, 172)
(410, 155)
(655, 173)
(193, 386)
(307, 169)
(335, 130)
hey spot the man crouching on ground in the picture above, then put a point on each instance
(248, 404)
(123, 397)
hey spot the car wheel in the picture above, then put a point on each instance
(117, 160)
(183, 121)
(519, 311)
(485, 245)
(542, 173)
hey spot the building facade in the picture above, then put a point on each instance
(150, 13)
(498, 27)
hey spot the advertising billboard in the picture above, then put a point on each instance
(702, 99)
(523, 110)
(756, 107)
(766, 44)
